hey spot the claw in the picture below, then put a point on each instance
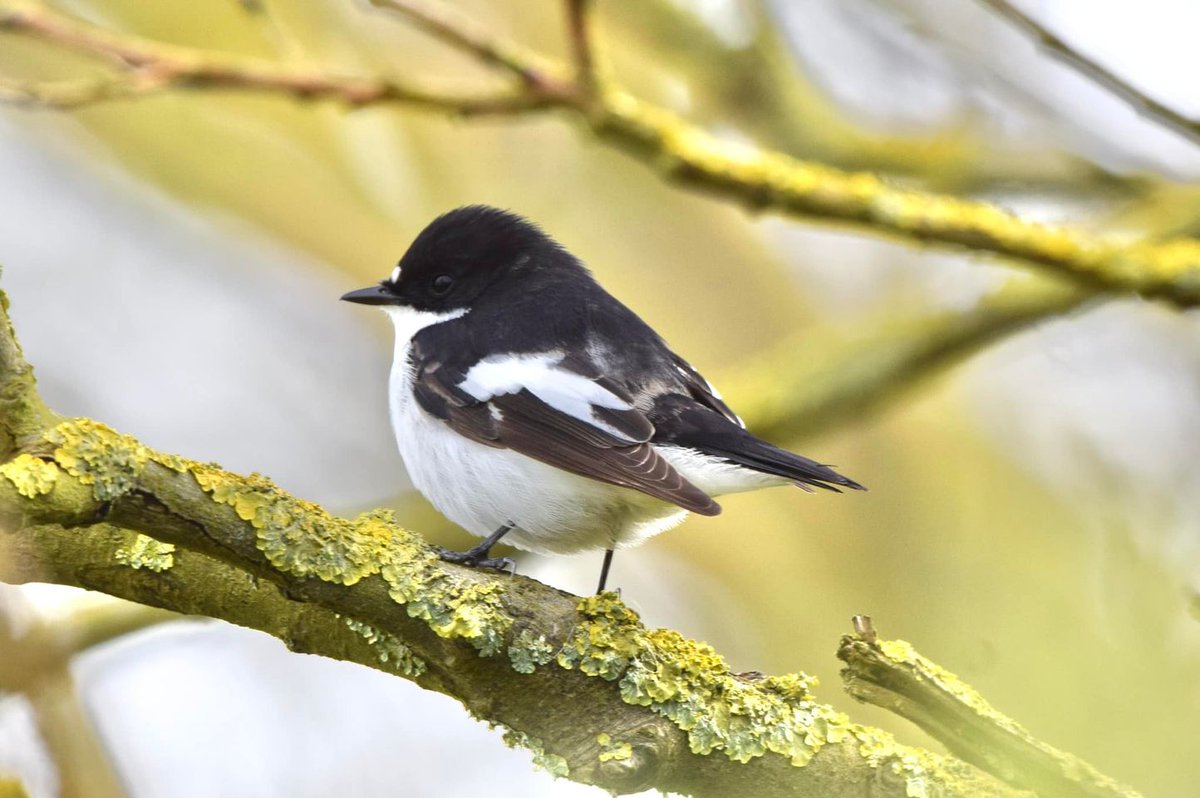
(476, 559)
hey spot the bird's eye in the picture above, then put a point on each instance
(442, 284)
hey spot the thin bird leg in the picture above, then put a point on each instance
(608, 553)
(477, 557)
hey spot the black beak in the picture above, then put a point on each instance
(371, 295)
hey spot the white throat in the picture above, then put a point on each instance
(410, 321)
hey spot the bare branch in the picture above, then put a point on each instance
(579, 28)
(448, 24)
(784, 397)
(1098, 73)
(891, 674)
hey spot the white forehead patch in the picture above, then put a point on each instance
(396, 274)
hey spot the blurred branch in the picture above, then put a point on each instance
(580, 28)
(758, 87)
(678, 151)
(785, 397)
(85, 768)
(892, 675)
(12, 788)
(582, 683)
(37, 663)
(755, 178)
(1098, 73)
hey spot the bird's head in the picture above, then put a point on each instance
(463, 254)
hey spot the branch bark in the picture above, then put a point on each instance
(757, 179)
(891, 674)
(1099, 74)
(597, 696)
(786, 397)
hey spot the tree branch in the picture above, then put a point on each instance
(784, 397)
(579, 30)
(755, 178)
(891, 674)
(79, 503)
(1092, 69)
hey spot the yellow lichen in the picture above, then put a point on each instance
(613, 750)
(299, 537)
(98, 456)
(146, 552)
(690, 684)
(454, 606)
(29, 475)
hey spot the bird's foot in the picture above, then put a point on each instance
(475, 558)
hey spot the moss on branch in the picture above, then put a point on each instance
(594, 694)
(489, 639)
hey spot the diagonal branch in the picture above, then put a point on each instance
(783, 397)
(1098, 73)
(596, 695)
(891, 674)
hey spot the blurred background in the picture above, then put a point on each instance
(1033, 522)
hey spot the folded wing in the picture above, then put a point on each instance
(558, 411)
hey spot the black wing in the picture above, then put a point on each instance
(683, 421)
(610, 443)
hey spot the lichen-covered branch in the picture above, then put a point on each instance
(758, 179)
(1095, 71)
(891, 674)
(784, 397)
(596, 695)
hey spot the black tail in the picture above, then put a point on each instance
(683, 422)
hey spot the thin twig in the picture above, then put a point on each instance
(449, 25)
(1098, 73)
(580, 36)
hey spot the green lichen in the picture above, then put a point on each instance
(454, 605)
(526, 651)
(29, 475)
(613, 750)
(148, 553)
(553, 764)
(299, 537)
(691, 685)
(96, 455)
(389, 649)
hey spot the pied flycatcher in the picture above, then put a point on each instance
(529, 404)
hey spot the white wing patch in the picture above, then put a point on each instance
(567, 392)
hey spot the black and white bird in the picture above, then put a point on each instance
(529, 404)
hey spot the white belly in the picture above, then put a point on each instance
(482, 488)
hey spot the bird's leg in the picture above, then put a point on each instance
(477, 557)
(608, 554)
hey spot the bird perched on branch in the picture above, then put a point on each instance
(531, 405)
